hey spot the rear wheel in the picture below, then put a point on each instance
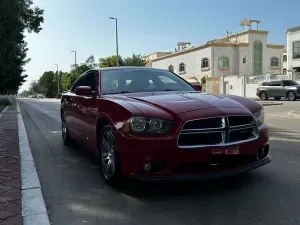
(277, 98)
(263, 96)
(291, 96)
(110, 159)
(65, 132)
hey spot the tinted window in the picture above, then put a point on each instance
(78, 83)
(90, 80)
(276, 83)
(289, 83)
(141, 80)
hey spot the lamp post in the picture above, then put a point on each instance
(117, 48)
(57, 79)
(75, 57)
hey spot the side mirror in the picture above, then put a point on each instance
(84, 91)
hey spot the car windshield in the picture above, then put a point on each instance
(141, 80)
(290, 83)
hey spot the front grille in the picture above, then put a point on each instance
(235, 121)
(218, 131)
(201, 138)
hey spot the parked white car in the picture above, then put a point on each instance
(40, 96)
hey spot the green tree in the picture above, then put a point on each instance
(48, 84)
(110, 61)
(16, 17)
(135, 60)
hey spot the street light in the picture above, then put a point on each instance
(75, 57)
(117, 48)
(57, 79)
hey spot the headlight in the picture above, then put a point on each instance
(142, 125)
(260, 117)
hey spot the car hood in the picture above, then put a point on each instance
(181, 102)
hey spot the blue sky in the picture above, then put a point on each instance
(144, 27)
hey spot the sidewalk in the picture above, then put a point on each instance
(21, 199)
(10, 170)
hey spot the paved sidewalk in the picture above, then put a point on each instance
(10, 175)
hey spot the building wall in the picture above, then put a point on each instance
(192, 62)
(229, 52)
(291, 37)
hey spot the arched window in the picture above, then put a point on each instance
(274, 62)
(284, 71)
(284, 58)
(257, 58)
(181, 67)
(223, 62)
(204, 63)
(171, 68)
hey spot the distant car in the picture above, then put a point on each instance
(152, 125)
(279, 89)
(40, 96)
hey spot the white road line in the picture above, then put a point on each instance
(34, 209)
(284, 139)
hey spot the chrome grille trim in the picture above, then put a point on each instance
(226, 129)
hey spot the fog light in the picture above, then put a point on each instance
(147, 167)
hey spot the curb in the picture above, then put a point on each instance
(294, 114)
(34, 209)
(270, 103)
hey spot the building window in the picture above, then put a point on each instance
(284, 58)
(274, 62)
(244, 60)
(171, 68)
(296, 50)
(284, 71)
(181, 67)
(257, 58)
(204, 63)
(223, 62)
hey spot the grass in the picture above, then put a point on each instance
(5, 101)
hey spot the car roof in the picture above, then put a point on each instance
(130, 68)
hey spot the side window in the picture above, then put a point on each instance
(90, 80)
(78, 83)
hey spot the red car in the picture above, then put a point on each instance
(152, 125)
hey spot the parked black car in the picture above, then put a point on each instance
(279, 89)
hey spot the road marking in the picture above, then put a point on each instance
(284, 139)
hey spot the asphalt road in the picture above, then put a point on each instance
(75, 193)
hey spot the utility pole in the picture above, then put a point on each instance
(57, 79)
(117, 47)
(75, 57)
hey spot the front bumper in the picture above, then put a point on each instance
(209, 176)
(175, 163)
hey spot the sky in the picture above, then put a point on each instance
(144, 27)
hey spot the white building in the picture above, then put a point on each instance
(284, 62)
(293, 49)
(247, 52)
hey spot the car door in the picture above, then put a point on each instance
(273, 89)
(76, 108)
(86, 119)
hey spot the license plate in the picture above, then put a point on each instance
(226, 151)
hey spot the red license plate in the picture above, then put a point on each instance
(226, 151)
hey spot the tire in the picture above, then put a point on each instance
(277, 98)
(291, 96)
(263, 96)
(65, 132)
(109, 156)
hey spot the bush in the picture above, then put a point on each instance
(6, 100)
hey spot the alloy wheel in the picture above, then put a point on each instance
(64, 129)
(108, 155)
(292, 96)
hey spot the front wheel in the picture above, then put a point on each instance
(263, 96)
(65, 132)
(291, 96)
(110, 159)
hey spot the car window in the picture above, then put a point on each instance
(141, 80)
(289, 83)
(90, 80)
(78, 83)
